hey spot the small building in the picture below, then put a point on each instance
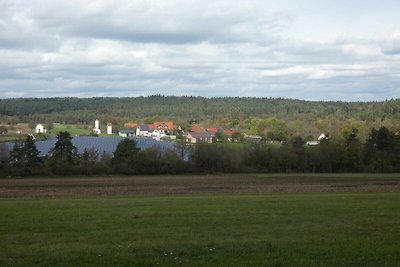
(312, 143)
(323, 137)
(164, 126)
(143, 130)
(109, 128)
(252, 138)
(126, 132)
(195, 138)
(40, 129)
(96, 129)
(319, 139)
(158, 134)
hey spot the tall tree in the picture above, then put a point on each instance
(64, 150)
(382, 151)
(124, 156)
(353, 152)
(125, 150)
(25, 156)
(63, 156)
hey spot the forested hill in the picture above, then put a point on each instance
(226, 111)
(194, 107)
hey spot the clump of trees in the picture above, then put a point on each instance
(380, 153)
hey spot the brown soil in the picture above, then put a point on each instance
(189, 184)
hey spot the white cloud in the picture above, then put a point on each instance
(322, 71)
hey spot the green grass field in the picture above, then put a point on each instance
(267, 229)
(72, 129)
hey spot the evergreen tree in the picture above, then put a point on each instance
(125, 150)
(63, 156)
(31, 152)
(124, 156)
(25, 157)
(4, 160)
(353, 152)
(64, 150)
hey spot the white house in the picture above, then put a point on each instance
(40, 129)
(314, 143)
(158, 134)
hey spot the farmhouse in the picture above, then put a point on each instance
(40, 129)
(195, 138)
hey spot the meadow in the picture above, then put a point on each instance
(71, 128)
(256, 220)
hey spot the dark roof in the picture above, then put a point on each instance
(201, 135)
(101, 144)
(127, 131)
(144, 127)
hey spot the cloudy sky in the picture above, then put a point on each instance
(304, 49)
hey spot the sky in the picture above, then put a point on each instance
(301, 49)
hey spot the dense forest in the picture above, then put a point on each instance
(252, 115)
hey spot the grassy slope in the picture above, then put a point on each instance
(346, 229)
(72, 129)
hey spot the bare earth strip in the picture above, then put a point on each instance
(189, 184)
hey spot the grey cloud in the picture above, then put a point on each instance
(173, 23)
(391, 51)
(391, 46)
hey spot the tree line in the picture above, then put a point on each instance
(380, 153)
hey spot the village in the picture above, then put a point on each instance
(104, 137)
(168, 131)
(162, 131)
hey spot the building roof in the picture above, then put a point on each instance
(164, 125)
(212, 130)
(200, 135)
(228, 132)
(144, 127)
(126, 131)
(196, 128)
(130, 125)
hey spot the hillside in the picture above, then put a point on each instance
(299, 117)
